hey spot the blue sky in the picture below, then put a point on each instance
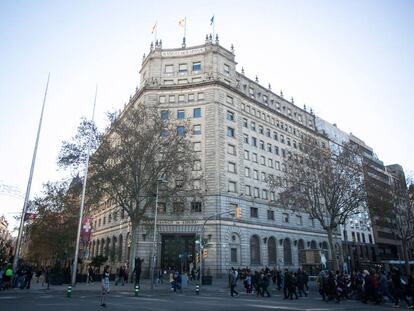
(351, 61)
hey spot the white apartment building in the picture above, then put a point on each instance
(242, 132)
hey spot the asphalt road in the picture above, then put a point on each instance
(16, 300)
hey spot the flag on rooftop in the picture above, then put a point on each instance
(154, 28)
(181, 22)
(212, 21)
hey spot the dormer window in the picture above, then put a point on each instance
(182, 69)
(196, 66)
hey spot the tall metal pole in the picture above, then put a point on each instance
(154, 243)
(75, 260)
(29, 183)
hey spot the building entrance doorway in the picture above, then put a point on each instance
(178, 252)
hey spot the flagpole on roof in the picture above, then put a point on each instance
(185, 26)
(75, 259)
(29, 183)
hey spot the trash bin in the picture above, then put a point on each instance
(207, 280)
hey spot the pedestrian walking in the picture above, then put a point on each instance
(105, 286)
(233, 282)
(137, 270)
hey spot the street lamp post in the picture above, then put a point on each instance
(202, 238)
(154, 243)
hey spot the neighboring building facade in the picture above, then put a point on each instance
(242, 132)
(358, 244)
(4, 230)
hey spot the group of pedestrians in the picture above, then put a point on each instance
(258, 282)
(367, 286)
(23, 276)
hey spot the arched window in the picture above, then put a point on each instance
(108, 243)
(255, 250)
(301, 252)
(313, 245)
(271, 250)
(120, 248)
(113, 248)
(287, 252)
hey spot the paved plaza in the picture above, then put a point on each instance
(211, 298)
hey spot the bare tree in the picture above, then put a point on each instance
(326, 183)
(139, 149)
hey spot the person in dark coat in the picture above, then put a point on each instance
(137, 270)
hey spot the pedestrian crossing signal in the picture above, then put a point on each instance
(205, 253)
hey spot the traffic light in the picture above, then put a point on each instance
(205, 253)
(238, 212)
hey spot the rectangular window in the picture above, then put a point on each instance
(165, 115)
(230, 131)
(200, 96)
(253, 126)
(254, 212)
(232, 186)
(244, 122)
(261, 129)
(190, 97)
(246, 155)
(226, 69)
(262, 145)
(197, 129)
(231, 149)
(171, 98)
(178, 207)
(247, 171)
(285, 217)
(197, 112)
(182, 81)
(262, 160)
(196, 207)
(254, 141)
(270, 162)
(182, 68)
(181, 98)
(275, 136)
(264, 194)
(197, 184)
(162, 99)
(270, 214)
(269, 148)
(231, 167)
(169, 68)
(272, 195)
(230, 115)
(256, 174)
(197, 146)
(247, 190)
(277, 165)
(276, 150)
(299, 220)
(196, 66)
(254, 157)
(180, 114)
(268, 133)
(263, 176)
(229, 100)
(251, 91)
(180, 130)
(246, 138)
(256, 192)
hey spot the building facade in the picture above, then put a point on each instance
(242, 132)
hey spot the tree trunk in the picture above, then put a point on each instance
(332, 249)
(134, 241)
(405, 256)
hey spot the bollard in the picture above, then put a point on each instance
(197, 290)
(69, 292)
(136, 290)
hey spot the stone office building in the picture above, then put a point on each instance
(242, 132)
